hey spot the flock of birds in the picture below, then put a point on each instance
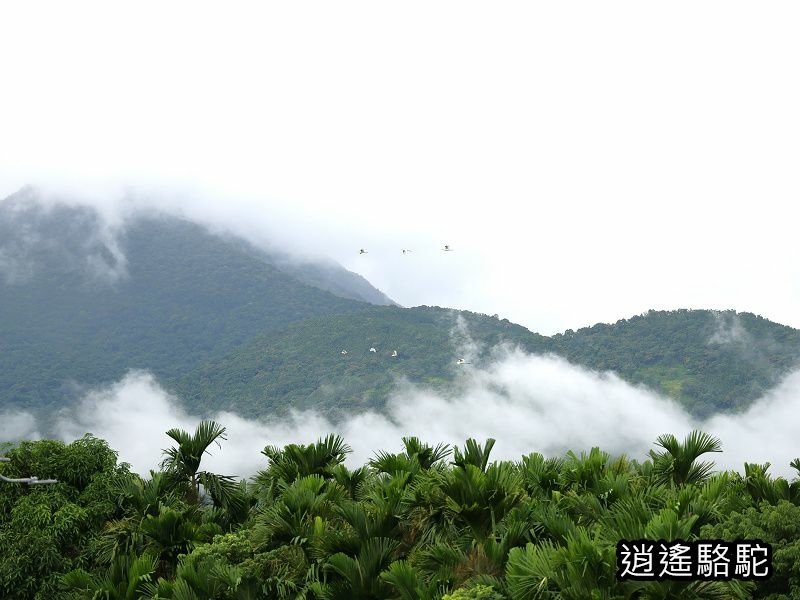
(374, 350)
(446, 248)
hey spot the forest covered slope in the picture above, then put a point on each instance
(709, 361)
(229, 326)
(84, 305)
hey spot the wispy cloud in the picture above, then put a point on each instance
(80, 240)
(729, 331)
(18, 425)
(528, 403)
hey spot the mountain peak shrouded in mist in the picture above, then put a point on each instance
(39, 240)
(228, 325)
(84, 300)
(82, 240)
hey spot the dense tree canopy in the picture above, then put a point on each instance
(693, 356)
(428, 522)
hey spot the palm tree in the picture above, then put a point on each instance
(417, 456)
(473, 454)
(201, 577)
(761, 486)
(182, 463)
(139, 498)
(124, 580)
(678, 463)
(359, 577)
(426, 455)
(541, 476)
(297, 460)
(408, 583)
(297, 515)
(479, 494)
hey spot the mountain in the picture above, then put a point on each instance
(226, 325)
(331, 277)
(82, 303)
(302, 366)
(709, 361)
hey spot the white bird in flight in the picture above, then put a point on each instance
(372, 350)
(344, 352)
(394, 352)
(461, 361)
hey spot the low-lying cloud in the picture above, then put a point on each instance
(17, 425)
(80, 240)
(729, 331)
(528, 403)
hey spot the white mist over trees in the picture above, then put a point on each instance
(528, 403)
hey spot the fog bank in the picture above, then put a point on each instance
(528, 403)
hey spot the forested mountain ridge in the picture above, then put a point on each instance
(303, 366)
(709, 361)
(226, 325)
(81, 304)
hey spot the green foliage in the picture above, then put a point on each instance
(408, 583)
(777, 524)
(48, 530)
(678, 463)
(288, 464)
(709, 361)
(407, 526)
(479, 592)
(125, 579)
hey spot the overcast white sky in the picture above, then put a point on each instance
(586, 160)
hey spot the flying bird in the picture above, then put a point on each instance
(447, 248)
(372, 350)
(344, 352)
(394, 352)
(362, 251)
(406, 251)
(461, 361)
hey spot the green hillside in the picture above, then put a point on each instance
(674, 352)
(164, 295)
(708, 360)
(302, 366)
